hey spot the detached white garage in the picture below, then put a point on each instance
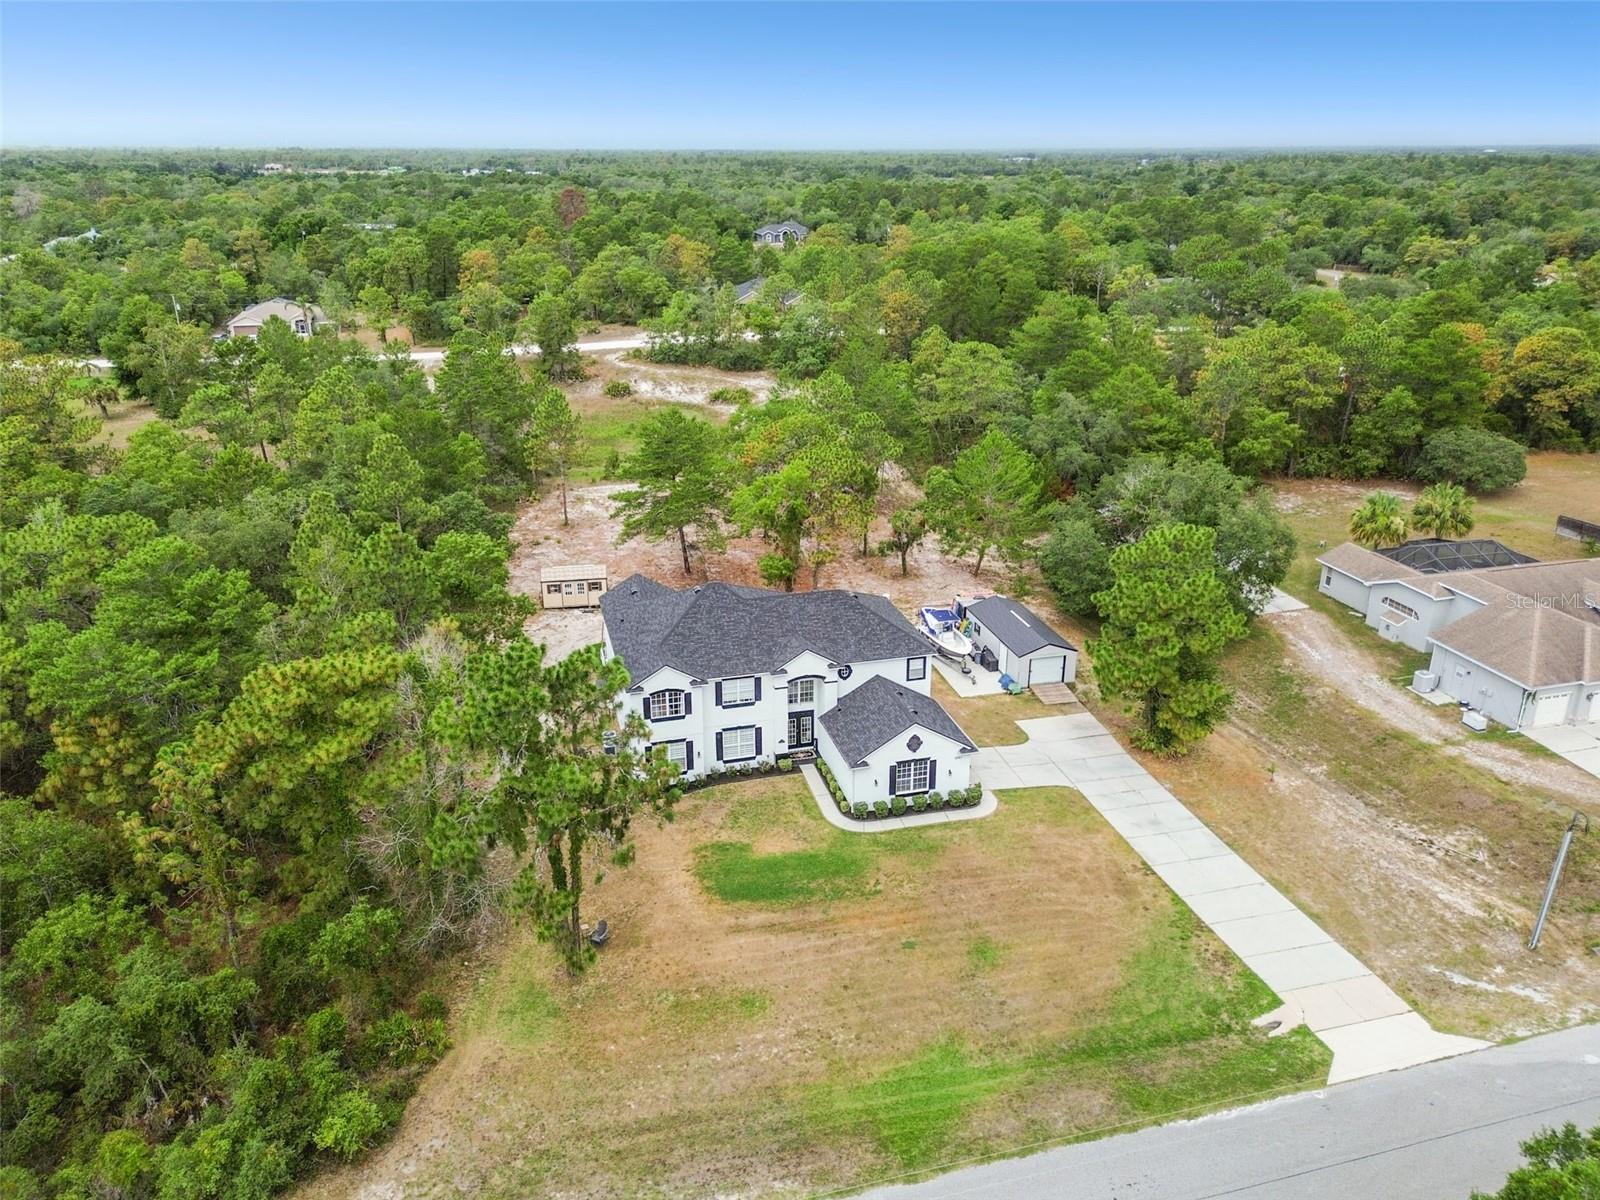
(1024, 647)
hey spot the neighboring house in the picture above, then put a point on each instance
(1515, 639)
(1024, 646)
(88, 235)
(304, 319)
(782, 233)
(726, 675)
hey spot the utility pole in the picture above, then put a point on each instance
(1579, 823)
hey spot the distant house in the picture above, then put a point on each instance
(304, 319)
(727, 675)
(781, 234)
(89, 235)
(1024, 646)
(1515, 639)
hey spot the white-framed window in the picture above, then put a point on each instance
(552, 589)
(1327, 579)
(299, 326)
(676, 753)
(916, 668)
(664, 705)
(1404, 610)
(803, 691)
(738, 691)
(912, 776)
(738, 744)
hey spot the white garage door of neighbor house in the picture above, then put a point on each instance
(1047, 670)
(1551, 708)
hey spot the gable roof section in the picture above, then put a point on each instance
(1534, 646)
(1020, 629)
(1366, 565)
(718, 630)
(879, 711)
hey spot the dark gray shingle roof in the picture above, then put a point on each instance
(1018, 627)
(789, 226)
(879, 711)
(719, 630)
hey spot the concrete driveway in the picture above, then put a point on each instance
(1578, 744)
(1368, 1027)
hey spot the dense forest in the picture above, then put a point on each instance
(267, 715)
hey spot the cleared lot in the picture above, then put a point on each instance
(787, 1008)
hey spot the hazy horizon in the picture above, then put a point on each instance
(695, 77)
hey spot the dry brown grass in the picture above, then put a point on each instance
(711, 1049)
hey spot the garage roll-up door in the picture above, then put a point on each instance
(1047, 670)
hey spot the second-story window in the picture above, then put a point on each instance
(803, 691)
(733, 692)
(665, 705)
(916, 668)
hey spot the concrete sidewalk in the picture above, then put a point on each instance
(1367, 1026)
(831, 813)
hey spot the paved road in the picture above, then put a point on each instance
(1432, 1132)
(1368, 1027)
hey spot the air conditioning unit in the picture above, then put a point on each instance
(1473, 719)
(1424, 681)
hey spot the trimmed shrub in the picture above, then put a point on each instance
(860, 810)
(897, 806)
(936, 799)
(919, 803)
(844, 808)
(880, 808)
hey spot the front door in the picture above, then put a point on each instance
(801, 731)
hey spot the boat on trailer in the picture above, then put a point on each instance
(942, 627)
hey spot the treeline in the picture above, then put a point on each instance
(265, 711)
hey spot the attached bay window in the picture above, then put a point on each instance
(916, 668)
(733, 693)
(667, 705)
(739, 744)
(803, 691)
(911, 777)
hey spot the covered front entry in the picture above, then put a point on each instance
(802, 730)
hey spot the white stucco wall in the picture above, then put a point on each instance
(1492, 694)
(1346, 589)
(871, 781)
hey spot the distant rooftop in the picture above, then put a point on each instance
(1432, 556)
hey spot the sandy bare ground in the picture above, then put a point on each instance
(1335, 657)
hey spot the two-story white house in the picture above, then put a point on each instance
(727, 675)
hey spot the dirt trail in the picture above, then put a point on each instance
(1338, 659)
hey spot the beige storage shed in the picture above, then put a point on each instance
(575, 585)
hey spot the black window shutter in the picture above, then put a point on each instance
(758, 694)
(688, 756)
(719, 693)
(688, 702)
(649, 709)
(933, 775)
(758, 741)
(894, 779)
(719, 747)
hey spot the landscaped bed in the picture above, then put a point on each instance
(786, 1008)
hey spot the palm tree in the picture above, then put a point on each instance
(1379, 522)
(1444, 510)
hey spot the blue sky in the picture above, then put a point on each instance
(798, 75)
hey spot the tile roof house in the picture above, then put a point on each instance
(304, 319)
(726, 675)
(1516, 639)
(781, 233)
